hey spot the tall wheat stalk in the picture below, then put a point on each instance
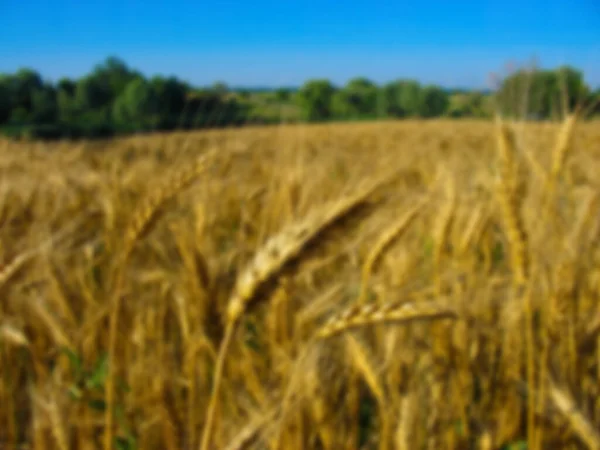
(141, 219)
(384, 242)
(268, 262)
(511, 198)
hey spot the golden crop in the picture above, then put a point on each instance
(391, 285)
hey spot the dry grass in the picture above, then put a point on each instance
(366, 286)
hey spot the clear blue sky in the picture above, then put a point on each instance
(449, 42)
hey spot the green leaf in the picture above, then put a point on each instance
(428, 246)
(75, 360)
(123, 386)
(518, 445)
(252, 335)
(98, 405)
(498, 253)
(126, 443)
(75, 393)
(120, 414)
(366, 418)
(459, 428)
(98, 376)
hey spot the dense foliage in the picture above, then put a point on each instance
(116, 99)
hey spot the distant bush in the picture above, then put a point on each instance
(116, 100)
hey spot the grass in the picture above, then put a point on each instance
(390, 285)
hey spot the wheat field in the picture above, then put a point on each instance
(390, 285)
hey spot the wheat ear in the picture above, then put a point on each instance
(11, 269)
(251, 432)
(579, 423)
(563, 144)
(267, 262)
(149, 209)
(441, 230)
(286, 245)
(384, 241)
(12, 334)
(510, 202)
(393, 312)
(139, 223)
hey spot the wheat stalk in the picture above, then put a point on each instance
(268, 261)
(560, 155)
(150, 208)
(405, 421)
(10, 270)
(11, 334)
(510, 201)
(140, 222)
(385, 240)
(362, 361)
(563, 145)
(581, 425)
(441, 230)
(286, 245)
(251, 432)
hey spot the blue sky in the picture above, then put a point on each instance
(449, 42)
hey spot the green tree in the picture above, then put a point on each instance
(572, 83)
(65, 101)
(434, 102)
(409, 97)
(402, 98)
(220, 88)
(244, 94)
(340, 105)
(315, 99)
(92, 93)
(99, 89)
(468, 104)
(137, 106)
(26, 82)
(208, 109)
(594, 102)
(114, 94)
(67, 85)
(389, 100)
(89, 112)
(359, 98)
(6, 105)
(114, 74)
(171, 100)
(541, 93)
(282, 95)
(44, 108)
(20, 89)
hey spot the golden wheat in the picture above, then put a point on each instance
(511, 200)
(565, 404)
(268, 260)
(563, 145)
(287, 244)
(392, 312)
(139, 223)
(519, 288)
(384, 241)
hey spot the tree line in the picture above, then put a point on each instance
(116, 99)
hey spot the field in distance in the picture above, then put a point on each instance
(390, 285)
